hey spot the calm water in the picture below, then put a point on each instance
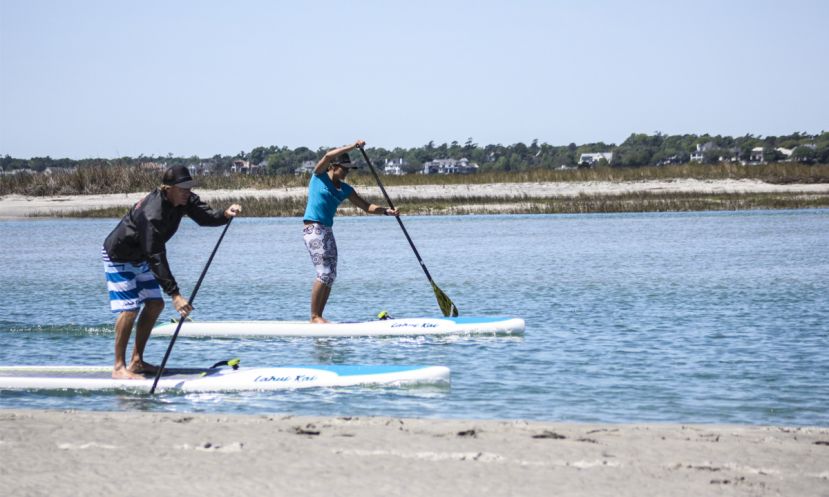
(694, 317)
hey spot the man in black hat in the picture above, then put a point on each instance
(135, 262)
(326, 190)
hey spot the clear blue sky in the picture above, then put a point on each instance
(89, 78)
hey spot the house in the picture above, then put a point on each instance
(757, 156)
(450, 166)
(786, 153)
(203, 168)
(674, 159)
(395, 166)
(307, 167)
(698, 155)
(241, 166)
(153, 166)
(592, 159)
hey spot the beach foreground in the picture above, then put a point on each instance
(58, 453)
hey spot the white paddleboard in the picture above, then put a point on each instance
(383, 327)
(219, 379)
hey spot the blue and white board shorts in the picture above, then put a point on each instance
(321, 245)
(129, 285)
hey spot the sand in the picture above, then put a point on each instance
(17, 206)
(56, 453)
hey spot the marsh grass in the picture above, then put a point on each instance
(629, 202)
(101, 179)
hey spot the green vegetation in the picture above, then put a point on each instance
(639, 158)
(638, 150)
(102, 179)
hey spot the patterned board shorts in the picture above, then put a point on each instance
(129, 285)
(319, 240)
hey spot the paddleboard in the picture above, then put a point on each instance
(382, 327)
(219, 379)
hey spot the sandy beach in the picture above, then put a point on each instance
(17, 206)
(56, 453)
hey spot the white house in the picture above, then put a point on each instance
(203, 168)
(698, 155)
(307, 167)
(592, 158)
(241, 166)
(787, 152)
(394, 166)
(756, 156)
(450, 166)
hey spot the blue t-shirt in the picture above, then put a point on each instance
(324, 198)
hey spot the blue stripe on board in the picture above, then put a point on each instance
(474, 320)
(359, 370)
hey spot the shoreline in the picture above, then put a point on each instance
(134, 453)
(506, 197)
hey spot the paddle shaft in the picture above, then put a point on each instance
(190, 302)
(388, 200)
(443, 300)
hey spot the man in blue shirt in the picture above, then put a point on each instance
(326, 191)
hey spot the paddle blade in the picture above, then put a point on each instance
(446, 305)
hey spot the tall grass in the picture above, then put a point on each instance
(101, 179)
(599, 203)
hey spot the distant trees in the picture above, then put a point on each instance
(638, 150)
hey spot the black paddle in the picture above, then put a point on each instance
(446, 305)
(190, 302)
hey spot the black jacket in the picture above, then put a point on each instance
(143, 233)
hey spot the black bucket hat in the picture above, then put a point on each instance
(178, 176)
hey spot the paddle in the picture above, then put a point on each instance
(181, 320)
(446, 305)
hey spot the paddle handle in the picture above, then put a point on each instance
(190, 302)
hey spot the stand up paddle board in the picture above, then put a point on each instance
(219, 379)
(382, 327)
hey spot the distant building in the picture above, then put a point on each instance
(592, 158)
(757, 156)
(786, 153)
(307, 167)
(698, 155)
(241, 166)
(203, 168)
(153, 166)
(394, 167)
(674, 159)
(450, 166)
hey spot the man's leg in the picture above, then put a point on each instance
(146, 321)
(123, 329)
(319, 297)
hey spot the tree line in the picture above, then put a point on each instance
(638, 150)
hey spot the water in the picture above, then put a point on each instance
(690, 317)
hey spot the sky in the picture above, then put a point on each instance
(108, 79)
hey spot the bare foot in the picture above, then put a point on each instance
(126, 374)
(319, 320)
(142, 367)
